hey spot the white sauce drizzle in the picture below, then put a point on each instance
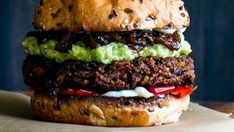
(137, 92)
(172, 30)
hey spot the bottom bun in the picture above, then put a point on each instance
(107, 111)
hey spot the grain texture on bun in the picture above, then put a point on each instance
(106, 111)
(110, 15)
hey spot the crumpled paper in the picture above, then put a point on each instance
(16, 115)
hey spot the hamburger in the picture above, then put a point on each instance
(109, 62)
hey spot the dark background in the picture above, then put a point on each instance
(211, 35)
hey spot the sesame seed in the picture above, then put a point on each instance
(181, 7)
(128, 10)
(141, 1)
(182, 14)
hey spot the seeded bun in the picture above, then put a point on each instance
(110, 15)
(107, 111)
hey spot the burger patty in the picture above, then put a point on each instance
(43, 73)
(136, 39)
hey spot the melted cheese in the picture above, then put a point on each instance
(137, 92)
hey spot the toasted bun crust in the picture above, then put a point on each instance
(110, 15)
(106, 111)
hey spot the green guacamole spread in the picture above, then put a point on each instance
(105, 54)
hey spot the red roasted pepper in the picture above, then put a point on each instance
(161, 90)
(79, 92)
(179, 91)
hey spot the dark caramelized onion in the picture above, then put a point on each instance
(136, 39)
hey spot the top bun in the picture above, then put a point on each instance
(110, 15)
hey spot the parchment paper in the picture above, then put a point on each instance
(16, 116)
